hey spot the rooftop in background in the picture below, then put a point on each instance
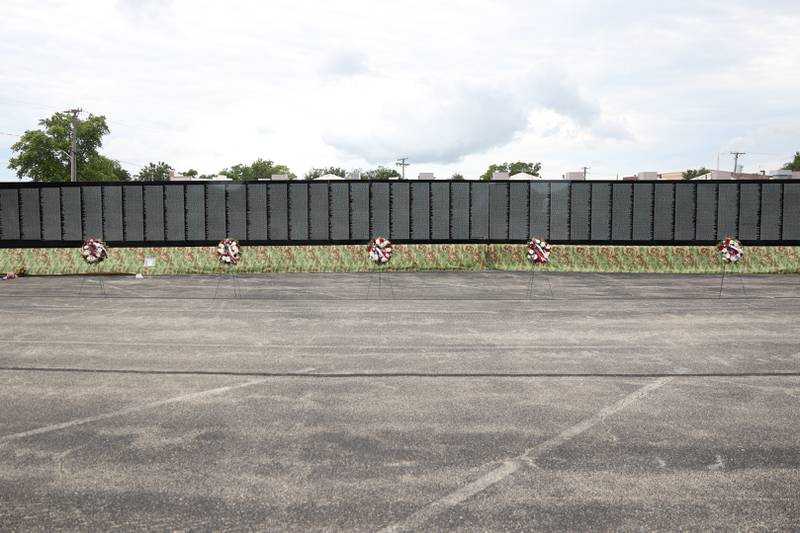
(579, 175)
(729, 175)
(329, 177)
(671, 176)
(714, 175)
(523, 176)
(182, 177)
(784, 175)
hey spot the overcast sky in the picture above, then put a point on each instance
(619, 86)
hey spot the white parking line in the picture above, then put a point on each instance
(315, 346)
(89, 419)
(512, 464)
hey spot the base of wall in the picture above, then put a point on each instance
(664, 259)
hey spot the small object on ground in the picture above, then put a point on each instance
(149, 261)
(10, 276)
(380, 250)
(94, 251)
(228, 252)
(538, 251)
(139, 276)
(731, 250)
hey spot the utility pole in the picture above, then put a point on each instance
(402, 164)
(73, 166)
(736, 161)
(584, 172)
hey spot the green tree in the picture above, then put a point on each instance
(155, 172)
(314, 173)
(191, 173)
(457, 177)
(693, 173)
(44, 154)
(101, 168)
(259, 169)
(236, 172)
(794, 165)
(380, 173)
(512, 168)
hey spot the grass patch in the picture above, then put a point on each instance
(202, 260)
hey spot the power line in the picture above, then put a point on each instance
(73, 145)
(115, 123)
(736, 160)
(129, 163)
(401, 162)
(31, 104)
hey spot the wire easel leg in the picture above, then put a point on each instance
(103, 288)
(389, 284)
(83, 282)
(741, 282)
(722, 283)
(369, 285)
(219, 281)
(237, 290)
(531, 283)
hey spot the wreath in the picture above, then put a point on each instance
(21, 272)
(538, 251)
(94, 251)
(380, 250)
(229, 252)
(731, 250)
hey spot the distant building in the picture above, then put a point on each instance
(647, 176)
(784, 175)
(728, 175)
(523, 176)
(280, 177)
(580, 175)
(426, 176)
(328, 177)
(182, 177)
(671, 176)
(500, 176)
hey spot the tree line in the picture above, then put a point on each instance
(43, 155)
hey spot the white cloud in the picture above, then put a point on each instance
(434, 124)
(428, 124)
(456, 85)
(345, 63)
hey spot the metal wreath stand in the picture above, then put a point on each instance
(99, 281)
(727, 246)
(102, 257)
(226, 267)
(375, 252)
(544, 252)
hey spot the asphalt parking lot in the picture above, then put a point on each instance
(400, 402)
